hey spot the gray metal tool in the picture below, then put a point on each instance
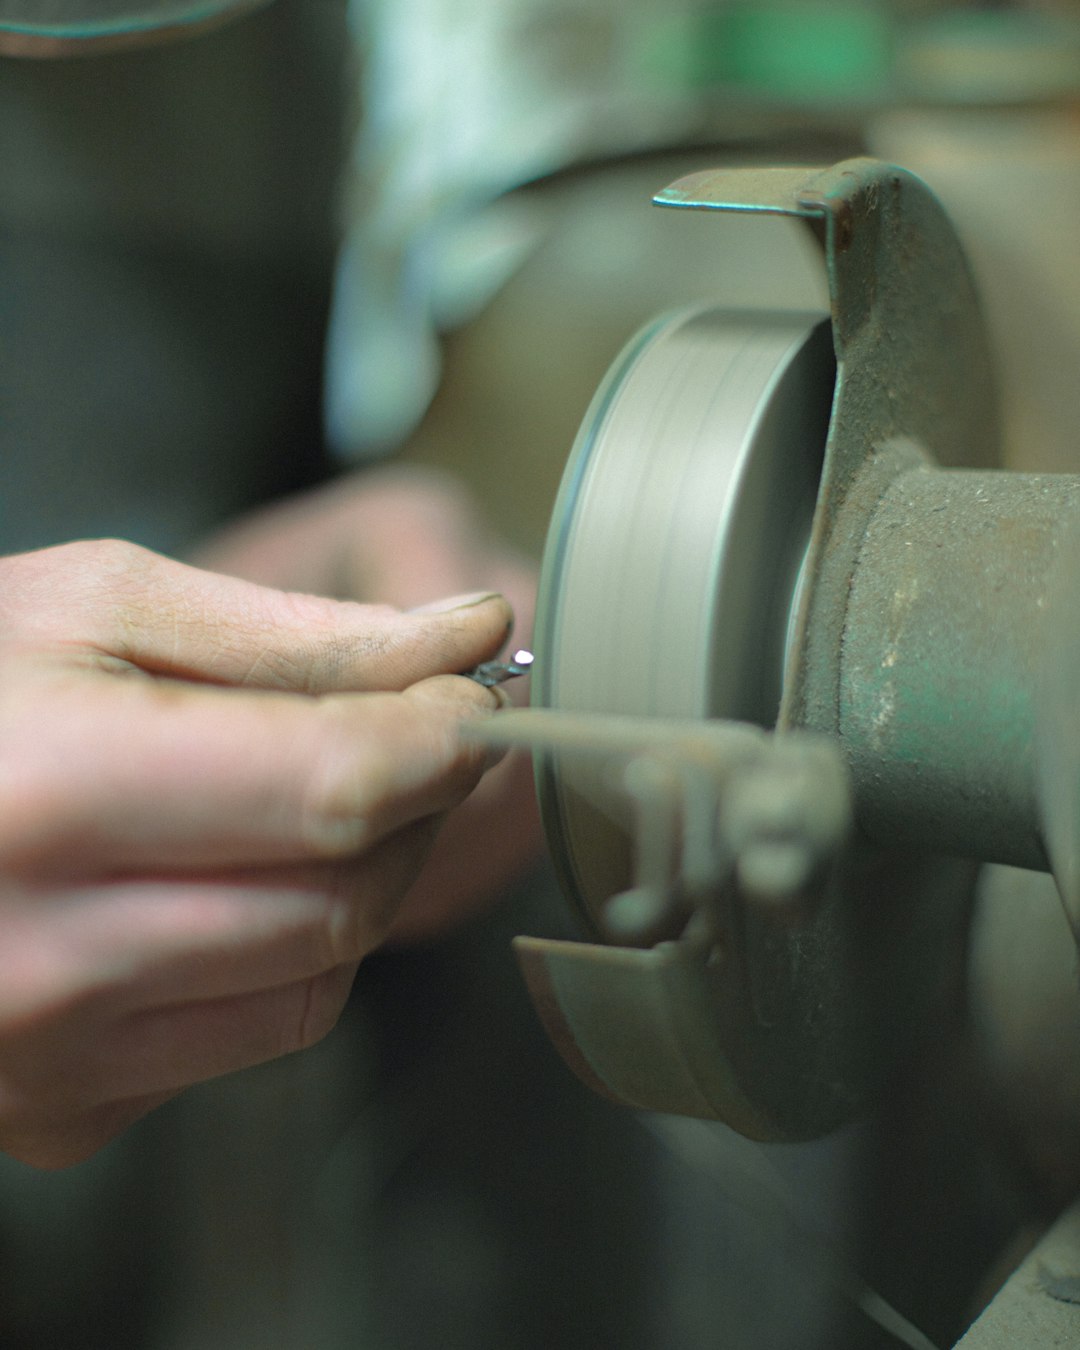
(491, 673)
(796, 679)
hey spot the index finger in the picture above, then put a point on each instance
(152, 775)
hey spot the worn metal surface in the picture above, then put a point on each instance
(941, 658)
(1057, 724)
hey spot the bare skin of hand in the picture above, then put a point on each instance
(406, 535)
(213, 797)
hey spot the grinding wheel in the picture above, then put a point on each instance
(672, 564)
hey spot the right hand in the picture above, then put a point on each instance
(404, 535)
(212, 798)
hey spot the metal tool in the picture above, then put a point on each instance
(491, 673)
(792, 674)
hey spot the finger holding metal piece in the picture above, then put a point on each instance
(491, 673)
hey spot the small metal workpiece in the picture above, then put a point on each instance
(491, 673)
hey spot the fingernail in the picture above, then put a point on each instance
(455, 602)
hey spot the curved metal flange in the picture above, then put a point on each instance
(787, 1035)
(913, 364)
(639, 1027)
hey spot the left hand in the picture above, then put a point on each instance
(405, 537)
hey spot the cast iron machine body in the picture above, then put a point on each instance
(803, 663)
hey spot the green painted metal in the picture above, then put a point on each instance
(941, 659)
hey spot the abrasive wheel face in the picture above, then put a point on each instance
(673, 557)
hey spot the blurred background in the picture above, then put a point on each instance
(332, 236)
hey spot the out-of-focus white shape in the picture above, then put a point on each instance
(465, 100)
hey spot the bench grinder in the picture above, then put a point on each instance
(803, 661)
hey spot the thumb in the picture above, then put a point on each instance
(168, 618)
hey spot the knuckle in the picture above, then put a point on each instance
(97, 565)
(113, 555)
(340, 796)
(366, 897)
(382, 764)
(106, 583)
(370, 759)
(89, 568)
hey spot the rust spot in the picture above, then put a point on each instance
(844, 228)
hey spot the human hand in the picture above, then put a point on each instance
(405, 535)
(212, 798)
